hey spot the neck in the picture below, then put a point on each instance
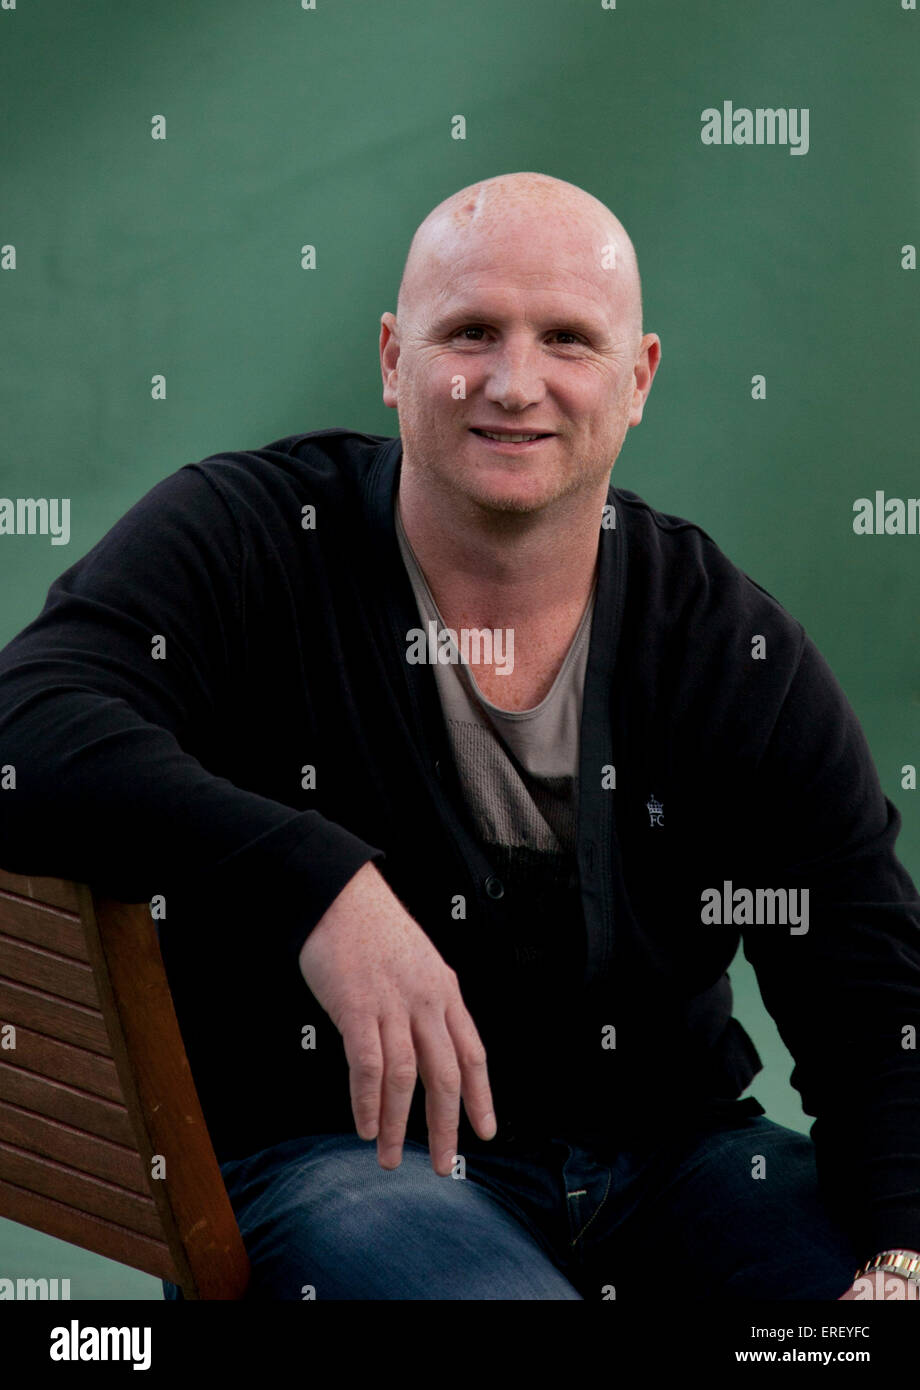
(501, 569)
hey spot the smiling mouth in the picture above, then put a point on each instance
(498, 437)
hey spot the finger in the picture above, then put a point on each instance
(474, 1073)
(440, 1073)
(364, 1053)
(399, 1077)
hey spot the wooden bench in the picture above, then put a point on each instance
(97, 1096)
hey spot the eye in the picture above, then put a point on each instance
(478, 328)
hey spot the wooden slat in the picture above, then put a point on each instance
(67, 1103)
(59, 892)
(44, 926)
(33, 965)
(75, 1189)
(45, 1013)
(89, 1232)
(47, 1056)
(160, 1094)
(98, 1082)
(73, 1147)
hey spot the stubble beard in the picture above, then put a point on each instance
(452, 490)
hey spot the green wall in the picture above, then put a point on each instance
(332, 127)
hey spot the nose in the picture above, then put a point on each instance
(515, 376)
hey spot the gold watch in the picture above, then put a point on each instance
(906, 1262)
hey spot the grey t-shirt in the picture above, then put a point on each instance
(524, 807)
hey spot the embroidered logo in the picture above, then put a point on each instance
(655, 811)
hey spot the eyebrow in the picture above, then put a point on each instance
(471, 314)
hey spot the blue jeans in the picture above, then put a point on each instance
(686, 1214)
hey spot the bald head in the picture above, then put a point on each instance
(528, 202)
(519, 312)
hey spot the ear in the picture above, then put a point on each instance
(645, 369)
(389, 356)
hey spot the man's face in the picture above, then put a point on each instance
(523, 330)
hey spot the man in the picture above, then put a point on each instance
(445, 757)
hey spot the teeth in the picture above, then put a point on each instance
(509, 438)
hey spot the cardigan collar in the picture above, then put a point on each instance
(397, 612)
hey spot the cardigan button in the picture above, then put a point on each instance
(494, 887)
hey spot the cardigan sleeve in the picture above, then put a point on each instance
(845, 994)
(105, 700)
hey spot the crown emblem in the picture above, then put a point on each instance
(655, 810)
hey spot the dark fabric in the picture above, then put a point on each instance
(181, 773)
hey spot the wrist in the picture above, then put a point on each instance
(899, 1260)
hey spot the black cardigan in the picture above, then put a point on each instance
(223, 637)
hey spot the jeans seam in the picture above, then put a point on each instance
(596, 1211)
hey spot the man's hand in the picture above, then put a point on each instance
(397, 1004)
